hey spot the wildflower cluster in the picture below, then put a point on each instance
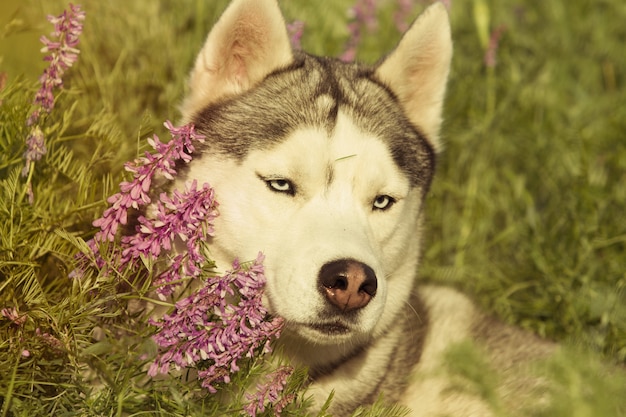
(224, 322)
(492, 47)
(271, 392)
(13, 315)
(217, 326)
(399, 17)
(146, 170)
(185, 216)
(62, 54)
(363, 14)
(18, 322)
(295, 30)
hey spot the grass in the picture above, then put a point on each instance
(527, 212)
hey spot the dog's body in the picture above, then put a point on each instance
(324, 166)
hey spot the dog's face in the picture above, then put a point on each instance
(336, 219)
(322, 166)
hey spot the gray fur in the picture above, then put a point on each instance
(289, 98)
(375, 132)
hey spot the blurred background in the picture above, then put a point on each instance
(528, 210)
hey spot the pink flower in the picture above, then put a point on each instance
(62, 53)
(35, 148)
(187, 215)
(270, 392)
(363, 13)
(216, 327)
(224, 324)
(399, 17)
(13, 315)
(49, 340)
(146, 170)
(492, 49)
(295, 30)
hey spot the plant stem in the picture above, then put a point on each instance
(9, 393)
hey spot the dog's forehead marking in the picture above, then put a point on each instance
(311, 93)
(325, 103)
(348, 158)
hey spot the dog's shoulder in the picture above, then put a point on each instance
(459, 331)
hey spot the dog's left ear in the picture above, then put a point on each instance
(417, 70)
(248, 42)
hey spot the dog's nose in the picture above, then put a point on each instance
(348, 284)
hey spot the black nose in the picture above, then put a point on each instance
(348, 284)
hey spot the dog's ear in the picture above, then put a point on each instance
(247, 43)
(417, 70)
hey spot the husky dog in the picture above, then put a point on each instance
(324, 167)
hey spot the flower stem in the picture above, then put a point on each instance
(9, 392)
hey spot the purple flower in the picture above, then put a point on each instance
(363, 13)
(270, 392)
(35, 148)
(13, 315)
(188, 216)
(295, 30)
(218, 326)
(62, 55)
(492, 48)
(224, 324)
(49, 340)
(399, 17)
(146, 170)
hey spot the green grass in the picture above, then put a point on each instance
(527, 212)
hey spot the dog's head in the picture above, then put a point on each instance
(322, 165)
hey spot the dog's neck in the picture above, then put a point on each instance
(380, 365)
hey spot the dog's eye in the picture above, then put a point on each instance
(281, 186)
(383, 202)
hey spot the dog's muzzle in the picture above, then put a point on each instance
(347, 284)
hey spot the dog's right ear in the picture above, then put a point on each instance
(248, 42)
(417, 70)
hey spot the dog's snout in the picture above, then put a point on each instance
(348, 284)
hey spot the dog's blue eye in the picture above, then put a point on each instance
(281, 186)
(383, 202)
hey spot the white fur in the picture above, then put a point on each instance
(418, 70)
(248, 41)
(337, 177)
(431, 392)
(253, 218)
